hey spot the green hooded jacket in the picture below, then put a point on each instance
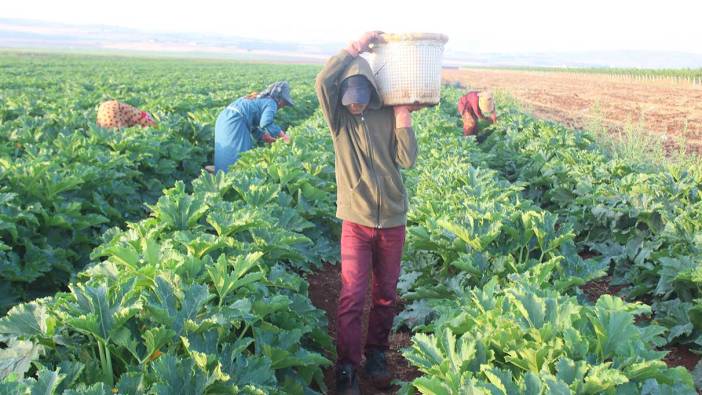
(369, 149)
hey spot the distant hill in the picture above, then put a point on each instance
(25, 34)
(28, 34)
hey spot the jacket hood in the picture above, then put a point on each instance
(360, 66)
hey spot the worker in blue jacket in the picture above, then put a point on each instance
(248, 120)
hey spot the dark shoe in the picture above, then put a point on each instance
(377, 369)
(346, 380)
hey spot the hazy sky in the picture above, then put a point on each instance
(481, 26)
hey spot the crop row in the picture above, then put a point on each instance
(64, 181)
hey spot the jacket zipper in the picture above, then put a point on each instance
(377, 182)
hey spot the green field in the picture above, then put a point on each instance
(163, 279)
(64, 181)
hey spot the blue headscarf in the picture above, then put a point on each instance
(278, 91)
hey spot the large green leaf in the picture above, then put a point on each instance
(27, 320)
(17, 357)
(178, 376)
(47, 382)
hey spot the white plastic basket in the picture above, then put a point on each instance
(407, 67)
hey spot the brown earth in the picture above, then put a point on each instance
(681, 356)
(582, 100)
(325, 285)
(601, 286)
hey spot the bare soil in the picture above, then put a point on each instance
(601, 286)
(579, 100)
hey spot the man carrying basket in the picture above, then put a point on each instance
(371, 143)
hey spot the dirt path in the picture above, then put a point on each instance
(324, 292)
(579, 100)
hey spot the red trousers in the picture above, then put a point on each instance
(470, 123)
(365, 250)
